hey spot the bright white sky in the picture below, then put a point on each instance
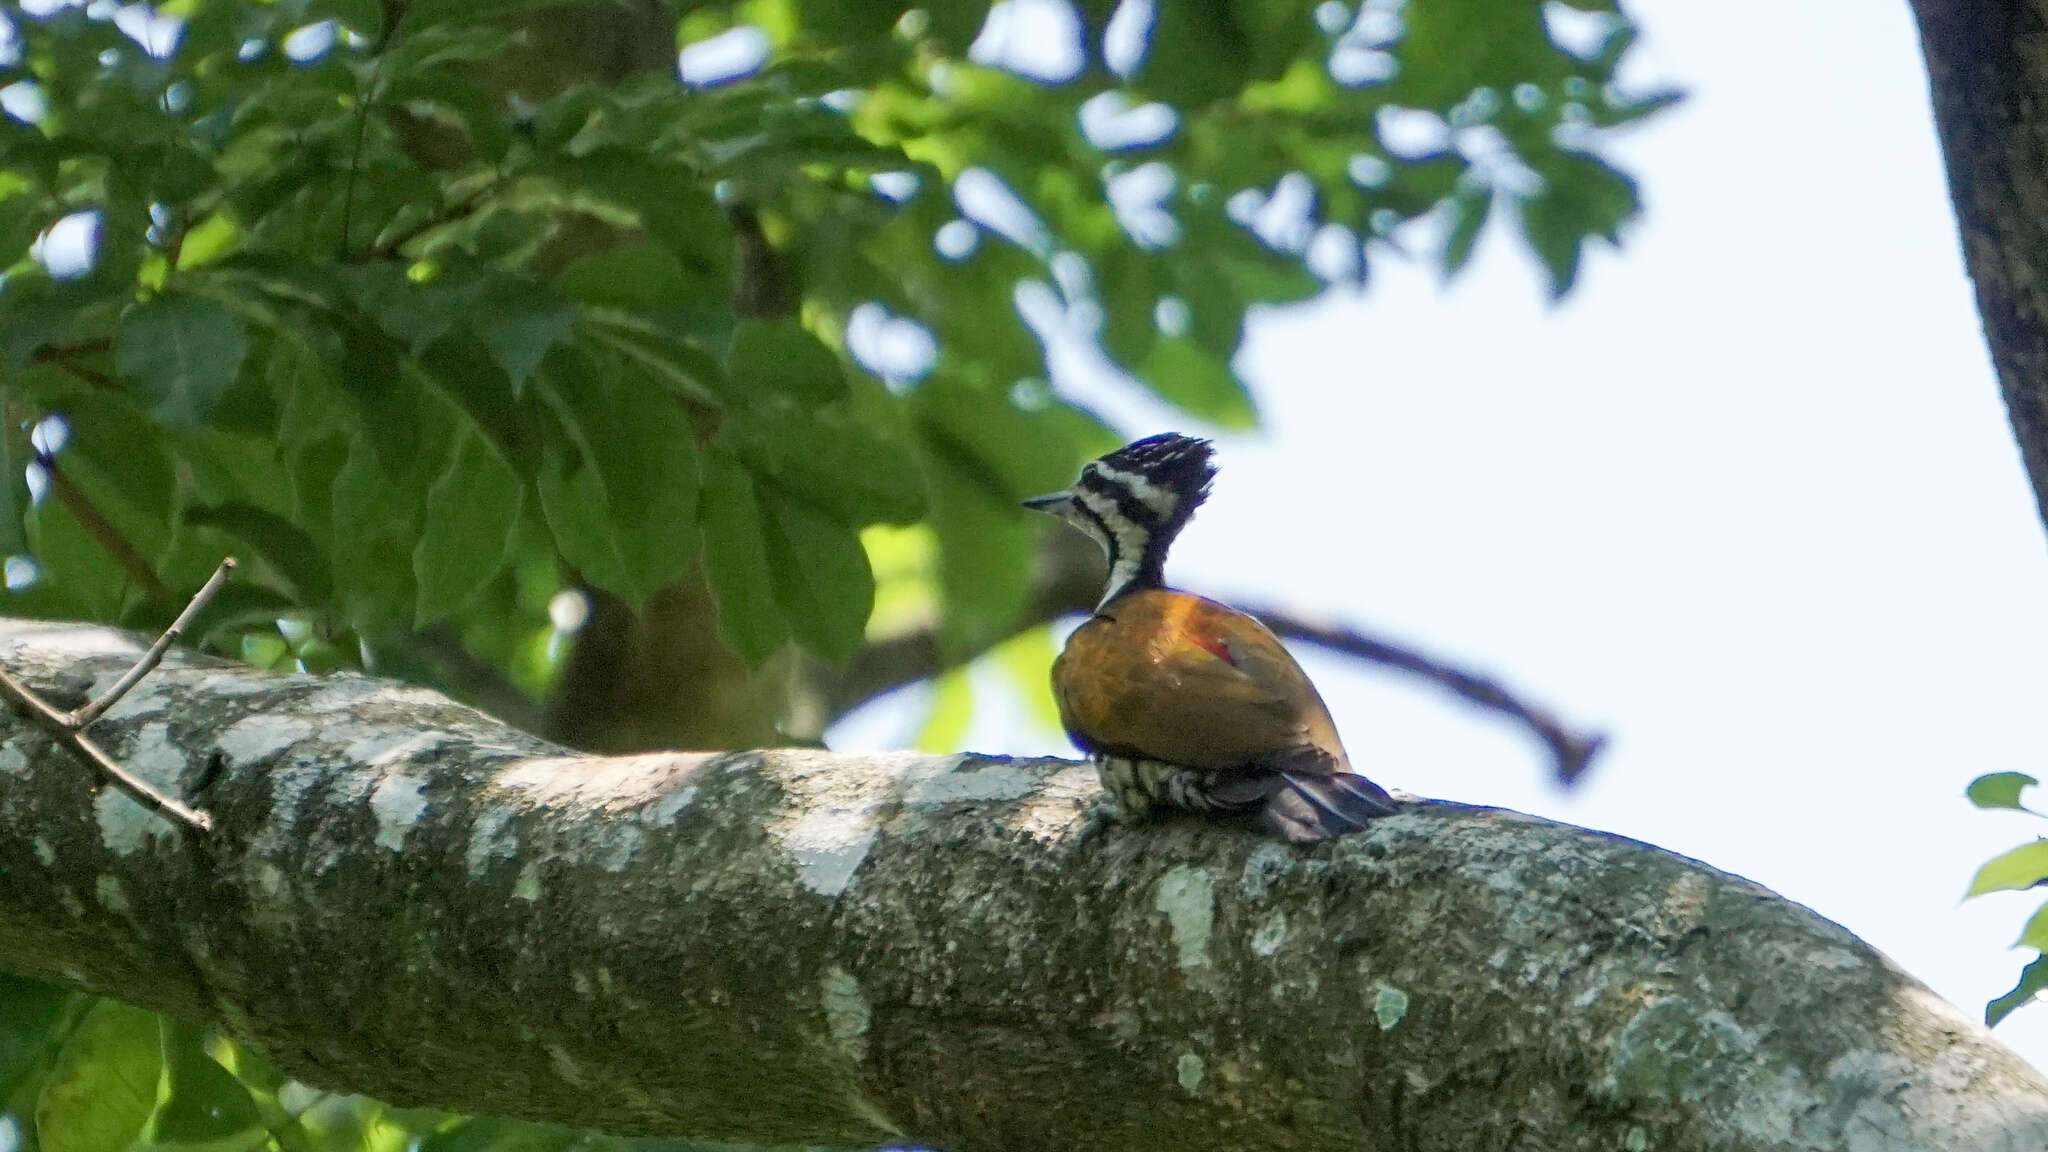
(1748, 500)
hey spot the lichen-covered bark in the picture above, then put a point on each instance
(1987, 66)
(406, 899)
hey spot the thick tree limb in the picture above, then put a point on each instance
(404, 898)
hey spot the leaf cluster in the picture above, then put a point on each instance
(428, 331)
(2016, 870)
(80, 1073)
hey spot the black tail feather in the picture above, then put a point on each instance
(1307, 807)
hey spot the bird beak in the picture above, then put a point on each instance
(1050, 502)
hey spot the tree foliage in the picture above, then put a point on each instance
(422, 325)
(431, 309)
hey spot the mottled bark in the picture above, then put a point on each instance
(404, 898)
(1987, 67)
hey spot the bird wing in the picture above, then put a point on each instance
(1189, 681)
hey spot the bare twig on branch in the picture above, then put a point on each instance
(83, 717)
(72, 357)
(1574, 750)
(69, 727)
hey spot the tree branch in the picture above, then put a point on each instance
(404, 898)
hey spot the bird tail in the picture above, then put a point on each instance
(1305, 807)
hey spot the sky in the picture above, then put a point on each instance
(1747, 500)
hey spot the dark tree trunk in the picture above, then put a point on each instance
(1987, 68)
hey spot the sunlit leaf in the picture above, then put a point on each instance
(951, 711)
(2022, 867)
(204, 1101)
(103, 1089)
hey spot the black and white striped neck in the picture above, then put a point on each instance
(1136, 500)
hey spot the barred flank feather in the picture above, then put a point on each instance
(1299, 806)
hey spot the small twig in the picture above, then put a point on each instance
(1574, 750)
(99, 761)
(71, 359)
(69, 727)
(366, 97)
(83, 718)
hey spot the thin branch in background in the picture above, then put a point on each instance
(71, 358)
(1574, 750)
(366, 97)
(1068, 579)
(69, 727)
(84, 717)
(99, 527)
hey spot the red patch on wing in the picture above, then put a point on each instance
(1215, 644)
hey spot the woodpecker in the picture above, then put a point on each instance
(1179, 701)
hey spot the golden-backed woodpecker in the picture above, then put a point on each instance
(1182, 702)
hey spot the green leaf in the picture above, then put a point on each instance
(179, 354)
(1026, 659)
(2000, 790)
(518, 323)
(2035, 934)
(2021, 868)
(1470, 206)
(472, 510)
(820, 574)
(104, 1086)
(1186, 375)
(985, 557)
(373, 541)
(13, 540)
(414, 313)
(78, 577)
(1581, 197)
(621, 495)
(950, 713)
(643, 278)
(578, 511)
(282, 544)
(1197, 53)
(841, 466)
(2033, 978)
(28, 1010)
(497, 1134)
(206, 1102)
(781, 356)
(736, 560)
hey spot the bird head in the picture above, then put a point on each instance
(1134, 501)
